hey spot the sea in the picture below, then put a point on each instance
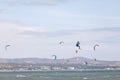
(61, 75)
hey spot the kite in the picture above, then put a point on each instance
(96, 45)
(61, 42)
(55, 57)
(85, 62)
(78, 44)
(6, 47)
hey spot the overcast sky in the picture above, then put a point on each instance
(34, 28)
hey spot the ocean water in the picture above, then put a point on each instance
(61, 75)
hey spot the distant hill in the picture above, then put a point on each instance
(74, 60)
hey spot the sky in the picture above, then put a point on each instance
(34, 28)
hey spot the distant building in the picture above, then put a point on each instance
(71, 68)
(45, 67)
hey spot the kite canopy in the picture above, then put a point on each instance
(61, 42)
(85, 62)
(78, 44)
(55, 57)
(96, 45)
(6, 47)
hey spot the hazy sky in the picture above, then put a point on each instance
(34, 28)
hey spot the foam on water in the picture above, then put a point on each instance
(20, 76)
(85, 78)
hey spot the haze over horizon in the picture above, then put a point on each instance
(34, 28)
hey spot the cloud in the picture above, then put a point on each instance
(73, 31)
(103, 35)
(11, 30)
(32, 29)
(32, 2)
(46, 33)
